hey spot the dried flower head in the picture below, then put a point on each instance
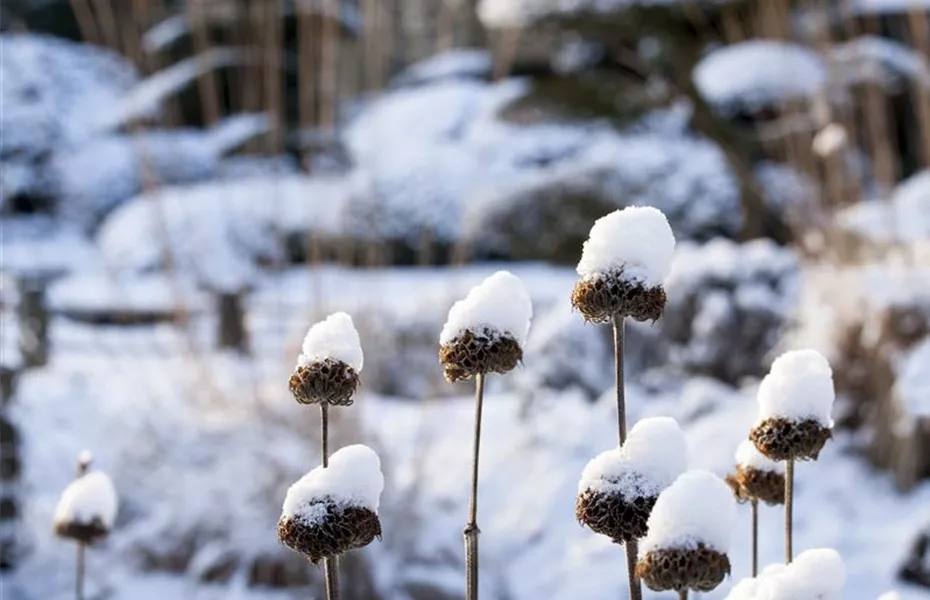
(757, 477)
(333, 530)
(783, 439)
(601, 297)
(87, 508)
(479, 352)
(325, 381)
(701, 569)
(612, 515)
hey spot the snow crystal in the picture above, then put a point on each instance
(334, 337)
(500, 304)
(637, 239)
(353, 478)
(747, 455)
(697, 508)
(817, 574)
(799, 386)
(87, 498)
(654, 454)
(759, 74)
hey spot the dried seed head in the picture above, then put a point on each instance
(611, 515)
(781, 439)
(85, 533)
(600, 297)
(328, 381)
(749, 483)
(700, 569)
(476, 352)
(338, 530)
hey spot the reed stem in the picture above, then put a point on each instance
(755, 538)
(471, 528)
(330, 565)
(683, 594)
(79, 574)
(789, 506)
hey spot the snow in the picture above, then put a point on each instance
(458, 63)
(799, 386)
(759, 74)
(334, 337)
(698, 508)
(888, 6)
(88, 498)
(655, 453)
(499, 305)
(164, 33)
(353, 478)
(519, 13)
(637, 239)
(873, 59)
(747, 455)
(905, 217)
(89, 292)
(817, 574)
(913, 382)
(829, 139)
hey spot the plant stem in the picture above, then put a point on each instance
(789, 505)
(471, 528)
(79, 574)
(632, 547)
(683, 594)
(755, 538)
(330, 565)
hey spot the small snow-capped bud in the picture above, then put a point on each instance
(87, 508)
(329, 364)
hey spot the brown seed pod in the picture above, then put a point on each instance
(328, 381)
(479, 352)
(85, 533)
(613, 516)
(781, 439)
(700, 569)
(749, 483)
(600, 297)
(341, 529)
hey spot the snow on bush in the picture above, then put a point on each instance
(637, 240)
(89, 498)
(698, 508)
(817, 574)
(520, 13)
(499, 305)
(747, 455)
(888, 6)
(353, 478)
(759, 74)
(654, 454)
(334, 337)
(458, 63)
(905, 217)
(873, 59)
(799, 386)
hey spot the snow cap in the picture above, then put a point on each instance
(747, 455)
(698, 508)
(88, 498)
(353, 478)
(798, 387)
(637, 239)
(655, 453)
(817, 574)
(334, 337)
(499, 303)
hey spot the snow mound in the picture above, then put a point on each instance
(698, 508)
(637, 239)
(655, 453)
(759, 74)
(500, 304)
(747, 455)
(334, 337)
(798, 387)
(817, 574)
(353, 478)
(88, 498)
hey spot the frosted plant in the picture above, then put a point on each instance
(484, 333)
(85, 512)
(689, 535)
(795, 402)
(623, 265)
(619, 487)
(327, 374)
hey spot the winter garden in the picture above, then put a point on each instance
(443, 299)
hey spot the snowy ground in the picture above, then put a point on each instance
(206, 442)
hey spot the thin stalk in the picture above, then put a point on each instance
(632, 547)
(789, 505)
(471, 528)
(330, 565)
(755, 538)
(79, 573)
(683, 594)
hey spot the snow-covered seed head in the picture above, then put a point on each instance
(486, 331)
(626, 258)
(817, 574)
(330, 361)
(757, 477)
(795, 401)
(87, 508)
(332, 510)
(689, 535)
(619, 487)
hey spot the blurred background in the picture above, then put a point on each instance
(187, 186)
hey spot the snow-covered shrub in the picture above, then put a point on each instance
(727, 304)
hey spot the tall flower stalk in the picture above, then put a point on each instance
(484, 333)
